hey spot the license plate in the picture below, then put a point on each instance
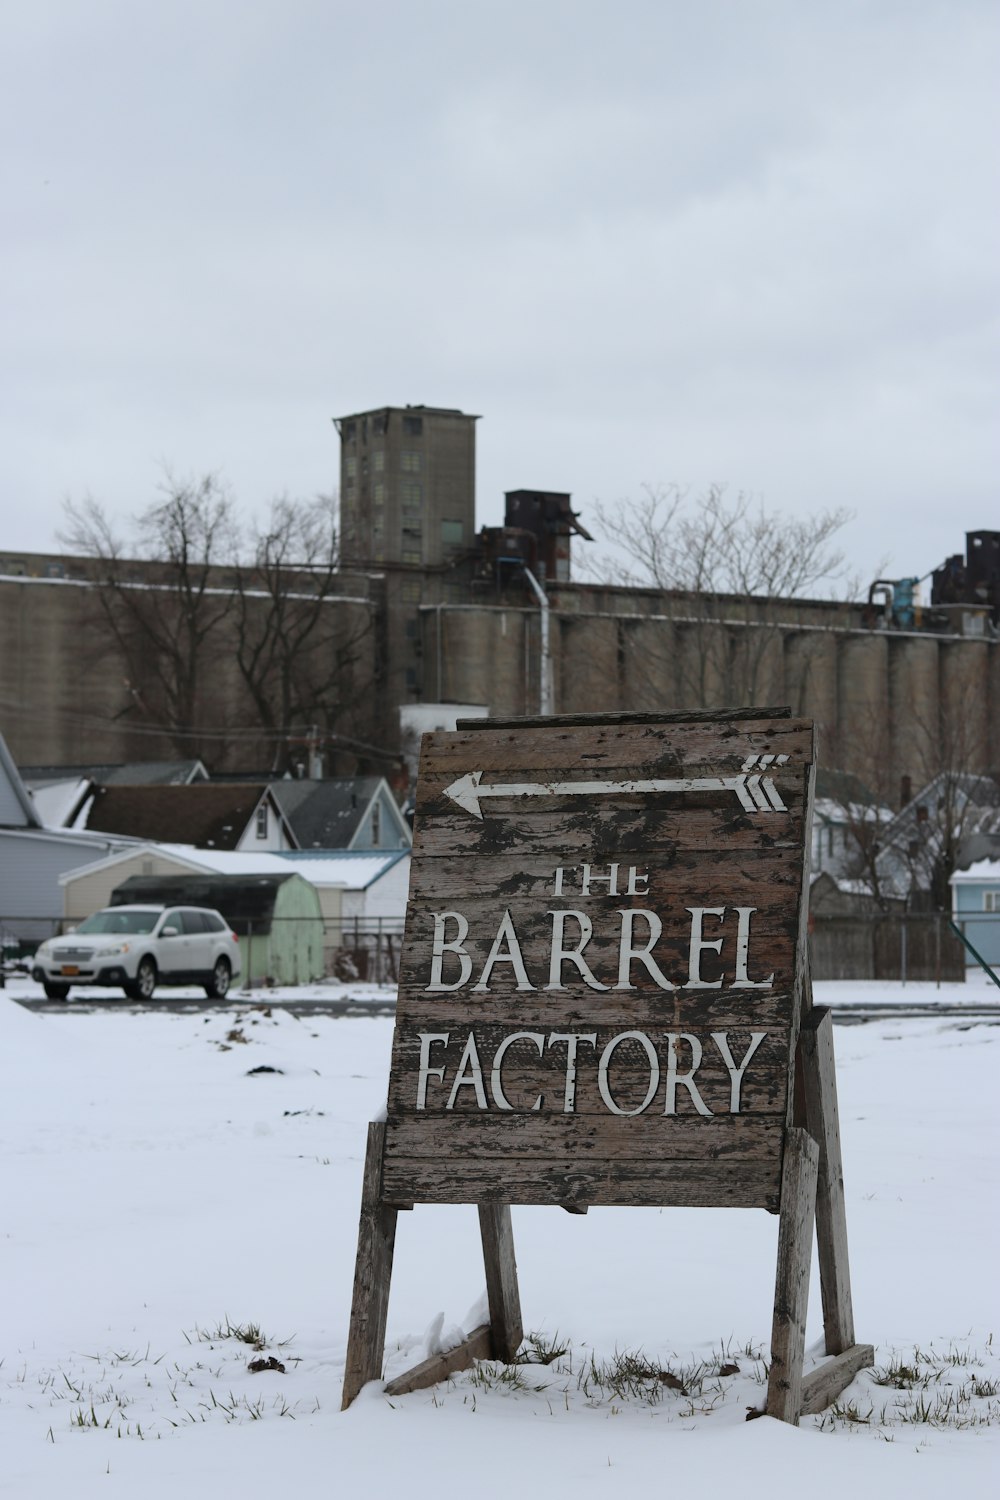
(69, 969)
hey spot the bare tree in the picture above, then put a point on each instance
(719, 564)
(299, 651)
(166, 622)
(948, 803)
(713, 545)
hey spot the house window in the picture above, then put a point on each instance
(376, 825)
(409, 462)
(452, 533)
(413, 426)
(378, 461)
(351, 465)
(991, 901)
(262, 822)
(378, 492)
(411, 555)
(410, 492)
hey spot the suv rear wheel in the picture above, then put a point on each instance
(217, 987)
(144, 983)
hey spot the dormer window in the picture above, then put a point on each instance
(262, 821)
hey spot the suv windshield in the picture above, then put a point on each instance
(120, 921)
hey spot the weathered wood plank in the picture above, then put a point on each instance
(619, 1183)
(630, 829)
(791, 1288)
(439, 1366)
(646, 1008)
(748, 863)
(756, 1138)
(823, 1122)
(501, 1279)
(585, 822)
(537, 1078)
(372, 1274)
(683, 716)
(822, 1386)
(682, 743)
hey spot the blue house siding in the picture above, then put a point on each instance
(980, 925)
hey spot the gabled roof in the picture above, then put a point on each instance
(59, 803)
(961, 791)
(329, 814)
(212, 815)
(129, 773)
(983, 870)
(353, 871)
(954, 807)
(16, 807)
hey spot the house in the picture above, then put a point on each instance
(847, 817)
(207, 814)
(976, 908)
(32, 858)
(350, 813)
(955, 816)
(61, 793)
(277, 917)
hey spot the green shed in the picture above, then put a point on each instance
(277, 917)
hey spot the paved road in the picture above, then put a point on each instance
(190, 1005)
(345, 1005)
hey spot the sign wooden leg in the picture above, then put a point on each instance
(791, 1289)
(501, 1280)
(820, 1087)
(822, 1120)
(372, 1274)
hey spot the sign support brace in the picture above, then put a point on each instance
(812, 1191)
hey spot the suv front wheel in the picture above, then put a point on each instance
(144, 983)
(217, 987)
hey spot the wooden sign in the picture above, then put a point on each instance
(603, 975)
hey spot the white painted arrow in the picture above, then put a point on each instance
(756, 793)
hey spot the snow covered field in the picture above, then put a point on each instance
(172, 1181)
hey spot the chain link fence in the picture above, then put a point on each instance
(915, 946)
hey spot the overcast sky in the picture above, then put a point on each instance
(648, 241)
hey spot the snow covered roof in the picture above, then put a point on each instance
(851, 813)
(356, 870)
(983, 869)
(351, 871)
(58, 802)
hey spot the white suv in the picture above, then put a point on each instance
(139, 947)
